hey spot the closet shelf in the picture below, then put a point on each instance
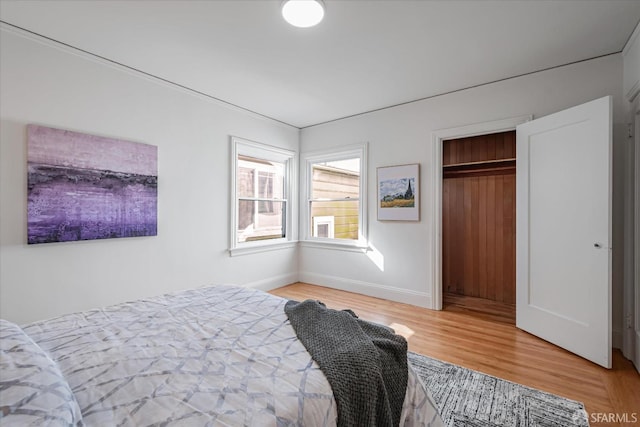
(492, 167)
(481, 163)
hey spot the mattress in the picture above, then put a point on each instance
(220, 356)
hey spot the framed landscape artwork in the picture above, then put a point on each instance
(399, 193)
(85, 187)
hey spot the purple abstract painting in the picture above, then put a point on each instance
(85, 187)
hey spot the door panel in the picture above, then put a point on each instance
(563, 229)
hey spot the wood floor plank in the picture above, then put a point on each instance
(496, 348)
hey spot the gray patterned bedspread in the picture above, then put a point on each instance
(220, 356)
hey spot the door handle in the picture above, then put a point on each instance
(597, 245)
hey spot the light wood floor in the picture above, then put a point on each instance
(480, 307)
(496, 348)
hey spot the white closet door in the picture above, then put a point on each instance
(563, 229)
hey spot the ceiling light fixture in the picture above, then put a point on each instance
(303, 13)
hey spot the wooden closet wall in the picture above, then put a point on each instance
(478, 217)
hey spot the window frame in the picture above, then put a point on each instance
(307, 162)
(261, 151)
(329, 221)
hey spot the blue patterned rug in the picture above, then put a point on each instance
(469, 398)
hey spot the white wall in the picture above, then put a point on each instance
(631, 55)
(44, 84)
(631, 90)
(402, 135)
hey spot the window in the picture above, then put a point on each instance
(335, 208)
(262, 183)
(260, 190)
(324, 226)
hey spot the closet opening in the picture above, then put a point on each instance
(479, 225)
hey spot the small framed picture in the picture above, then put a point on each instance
(399, 193)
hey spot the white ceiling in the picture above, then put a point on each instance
(364, 56)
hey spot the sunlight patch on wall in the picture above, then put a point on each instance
(376, 257)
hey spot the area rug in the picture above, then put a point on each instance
(469, 398)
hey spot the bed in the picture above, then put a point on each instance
(220, 356)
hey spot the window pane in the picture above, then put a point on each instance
(260, 178)
(345, 218)
(336, 180)
(246, 181)
(257, 221)
(323, 230)
(265, 185)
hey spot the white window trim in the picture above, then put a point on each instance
(338, 153)
(241, 146)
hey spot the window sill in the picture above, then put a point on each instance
(336, 246)
(247, 250)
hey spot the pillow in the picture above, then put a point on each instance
(32, 388)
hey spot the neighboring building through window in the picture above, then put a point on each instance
(261, 202)
(324, 226)
(335, 209)
(261, 208)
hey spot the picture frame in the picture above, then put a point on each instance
(87, 187)
(398, 193)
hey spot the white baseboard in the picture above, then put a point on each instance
(273, 282)
(420, 299)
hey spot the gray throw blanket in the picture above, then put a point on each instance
(365, 363)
